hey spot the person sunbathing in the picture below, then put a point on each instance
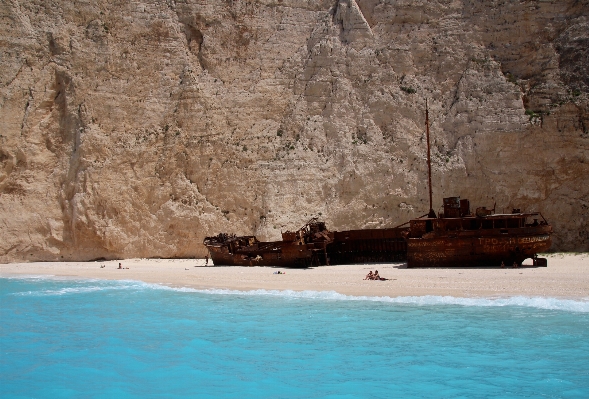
(369, 276)
(377, 277)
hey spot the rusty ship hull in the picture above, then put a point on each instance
(455, 238)
(277, 253)
(472, 250)
(367, 246)
(302, 248)
(458, 238)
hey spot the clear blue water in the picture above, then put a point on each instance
(108, 339)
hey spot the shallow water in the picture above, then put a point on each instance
(124, 339)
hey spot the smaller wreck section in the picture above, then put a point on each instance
(302, 248)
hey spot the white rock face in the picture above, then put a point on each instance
(135, 129)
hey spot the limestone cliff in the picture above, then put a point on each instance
(134, 129)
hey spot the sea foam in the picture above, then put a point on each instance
(547, 303)
(94, 285)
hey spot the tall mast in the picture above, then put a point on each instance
(431, 213)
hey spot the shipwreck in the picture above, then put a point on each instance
(455, 237)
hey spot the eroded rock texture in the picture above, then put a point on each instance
(135, 128)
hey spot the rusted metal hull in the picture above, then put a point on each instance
(302, 248)
(277, 253)
(455, 238)
(479, 248)
(370, 245)
(343, 247)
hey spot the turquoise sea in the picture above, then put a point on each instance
(64, 338)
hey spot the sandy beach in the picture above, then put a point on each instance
(567, 276)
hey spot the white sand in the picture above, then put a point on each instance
(567, 276)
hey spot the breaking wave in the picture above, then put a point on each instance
(569, 305)
(79, 286)
(87, 286)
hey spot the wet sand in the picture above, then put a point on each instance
(567, 276)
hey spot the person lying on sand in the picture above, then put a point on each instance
(369, 276)
(377, 277)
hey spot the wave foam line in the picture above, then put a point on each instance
(546, 303)
(101, 285)
(570, 305)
